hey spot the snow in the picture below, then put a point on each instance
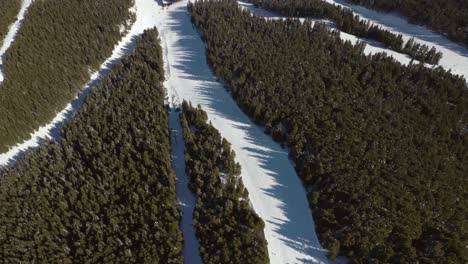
(146, 13)
(455, 56)
(372, 46)
(275, 190)
(186, 198)
(12, 31)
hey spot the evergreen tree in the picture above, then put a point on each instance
(228, 230)
(8, 11)
(106, 192)
(59, 44)
(382, 147)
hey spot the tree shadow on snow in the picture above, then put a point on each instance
(297, 229)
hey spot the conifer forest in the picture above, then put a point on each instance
(234, 131)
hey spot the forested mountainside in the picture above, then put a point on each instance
(227, 228)
(106, 192)
(56, 49)
(8, 11)
(348, 22)
(449, 17)
(380, 147)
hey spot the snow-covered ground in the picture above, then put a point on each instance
(146, 13)
(275, 190)
(186, 198)
(12, 31)
(372, 46)
(455, 56)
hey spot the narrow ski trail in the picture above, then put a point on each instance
(372, 46)
(10, 36)
(186, 198)
(455, 55)
(275, 191)
(146, 13)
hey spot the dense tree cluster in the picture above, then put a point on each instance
(57, 47)
(8, 11)
(227, 228)
(380, 147)
(106, 192)
(449, 17)
(346, 21)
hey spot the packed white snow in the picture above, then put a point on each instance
(455, 56)
(372, 46)
(146, 13)
(186, 198)
(12, 31)
(275, 191)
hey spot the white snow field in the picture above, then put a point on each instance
(186, 198)
(275, 191)
(455, 56)
(146, 13)
(12, 31)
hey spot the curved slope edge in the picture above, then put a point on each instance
(13, 30)
(275, 190)
(146, 13)
(455, 56)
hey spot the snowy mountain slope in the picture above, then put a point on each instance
(13, 30)
(372, 46)
(455, 56)
(186, 198)
(146, 13)
(275, 190)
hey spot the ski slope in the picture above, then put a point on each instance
(12, 31)
(455, 56)
(372, 46)
(146, 12)
(186, 198)
(275, 191)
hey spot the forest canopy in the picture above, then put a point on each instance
(449, 17)
(8, 11)
(58, 46)
(380, 147)
(345, 20)
(106, 192)
(227, 228)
